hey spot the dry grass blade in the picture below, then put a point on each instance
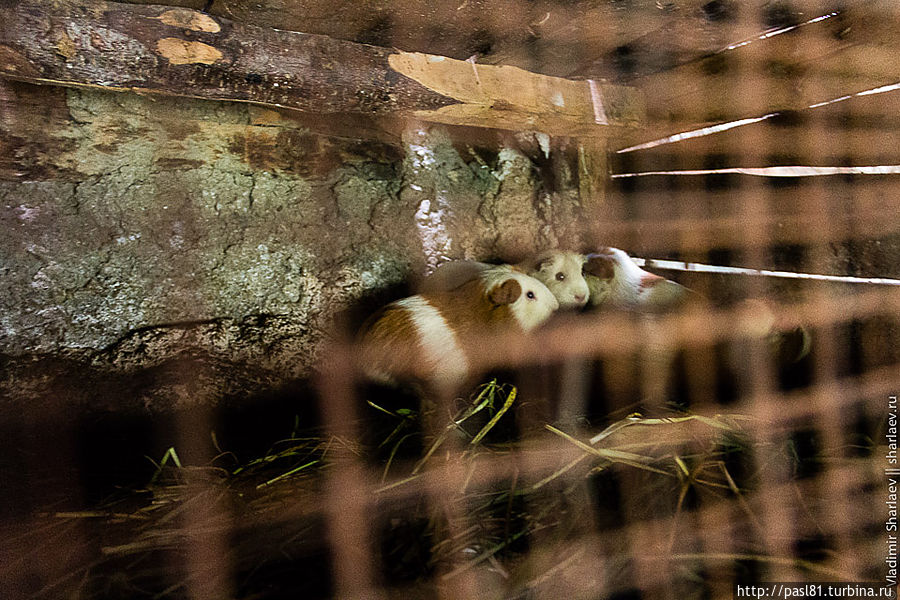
(484, 400)
(613, 456)
(717, 422)
(510, 399)
(287, 474)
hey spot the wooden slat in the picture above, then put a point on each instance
(718, 233)
(729, 195)
(663, 216)
(864, 130)
(182, 52)
(873, 113)
(682, 99)
(850, 52)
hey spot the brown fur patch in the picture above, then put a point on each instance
(470, 312)
(600, 266)
(390, 340)
(390, 344)
(505, 293)
(650, 280)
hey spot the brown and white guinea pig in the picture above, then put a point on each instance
(559, 270)
(615, 281)
(420, 337)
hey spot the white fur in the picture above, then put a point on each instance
(441, 348)
(571, 291)
(442, 356)
(625, 290)
(561, 272)
(529, 312)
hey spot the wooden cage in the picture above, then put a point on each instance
(193, 194)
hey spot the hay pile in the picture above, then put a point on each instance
(550, 512)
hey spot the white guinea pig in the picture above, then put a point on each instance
(420, 337)
(559, 270)
(615, 281)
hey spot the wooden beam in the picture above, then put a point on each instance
(587, 39)
(554, 37)
(183, 52)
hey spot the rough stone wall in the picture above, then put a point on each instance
(146, 229)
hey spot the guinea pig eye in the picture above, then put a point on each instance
(560, 276)
(529, 294)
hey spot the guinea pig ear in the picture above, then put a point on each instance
(505, 293)
(542, 262)
(599, 265)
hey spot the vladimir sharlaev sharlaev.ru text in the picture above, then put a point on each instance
(814, 591)
(892, 473)
(893, 491)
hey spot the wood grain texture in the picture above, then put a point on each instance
(563, 38)
(183, 52)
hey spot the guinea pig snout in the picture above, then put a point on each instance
(575, 298)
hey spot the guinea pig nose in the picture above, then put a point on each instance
(580, 297)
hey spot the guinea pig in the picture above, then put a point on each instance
(615, 281)
(420, 337)
(559, 270)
